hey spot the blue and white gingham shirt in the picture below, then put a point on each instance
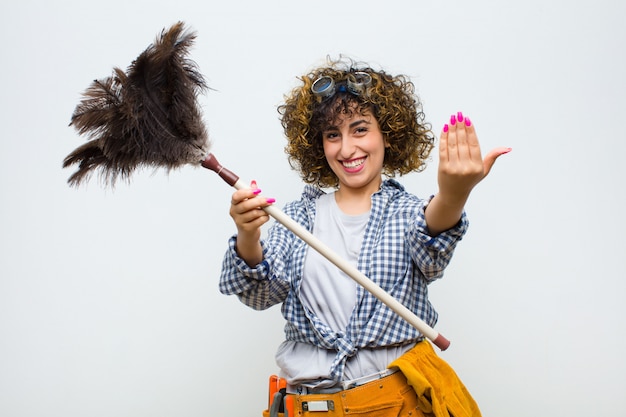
(397, 254)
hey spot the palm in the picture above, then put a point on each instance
(461, 165)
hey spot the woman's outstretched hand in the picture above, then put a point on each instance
(461, 168)
(461, 165)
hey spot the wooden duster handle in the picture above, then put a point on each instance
(233, 180)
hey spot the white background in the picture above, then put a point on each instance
(108, 298)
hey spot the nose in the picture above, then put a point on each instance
(348, 147)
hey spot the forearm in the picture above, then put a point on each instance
(255, 287)
(444, 212)
(249, 249)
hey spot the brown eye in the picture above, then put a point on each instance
(331, 135)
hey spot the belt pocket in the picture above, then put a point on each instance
(381, 409)
(344, 404)
(388, 397)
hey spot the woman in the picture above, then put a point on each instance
(347, 126)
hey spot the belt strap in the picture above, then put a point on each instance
(345, 385)
(368, 378)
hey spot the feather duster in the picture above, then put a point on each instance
(147, 116)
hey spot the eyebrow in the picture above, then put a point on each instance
(351, 126)
(358, 122)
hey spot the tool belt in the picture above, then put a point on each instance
(390, 396)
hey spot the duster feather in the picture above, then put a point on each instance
(146, 117)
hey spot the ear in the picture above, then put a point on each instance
(386, 141)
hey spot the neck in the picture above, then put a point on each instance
(355, 201)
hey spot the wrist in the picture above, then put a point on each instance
(454, 200)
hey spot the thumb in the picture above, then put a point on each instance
(491, 157)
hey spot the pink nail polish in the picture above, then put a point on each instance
(256, 191)
(270, 200)
(468, 122)
(445, 128)
(459, 117)
(253, 184)
(452, 120)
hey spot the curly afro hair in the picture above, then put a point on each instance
(390, 99)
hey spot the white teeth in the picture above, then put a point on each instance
(353, 164)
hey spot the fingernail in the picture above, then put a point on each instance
(445, 128)
(459, 117)
(256, 191)
(253, 184)
(467, 122)
(507, 151)
(452, 120)
(270, 200)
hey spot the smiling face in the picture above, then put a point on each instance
(354, 147)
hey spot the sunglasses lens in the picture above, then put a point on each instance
(323, 86)
(358, 82)
(363, 78)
